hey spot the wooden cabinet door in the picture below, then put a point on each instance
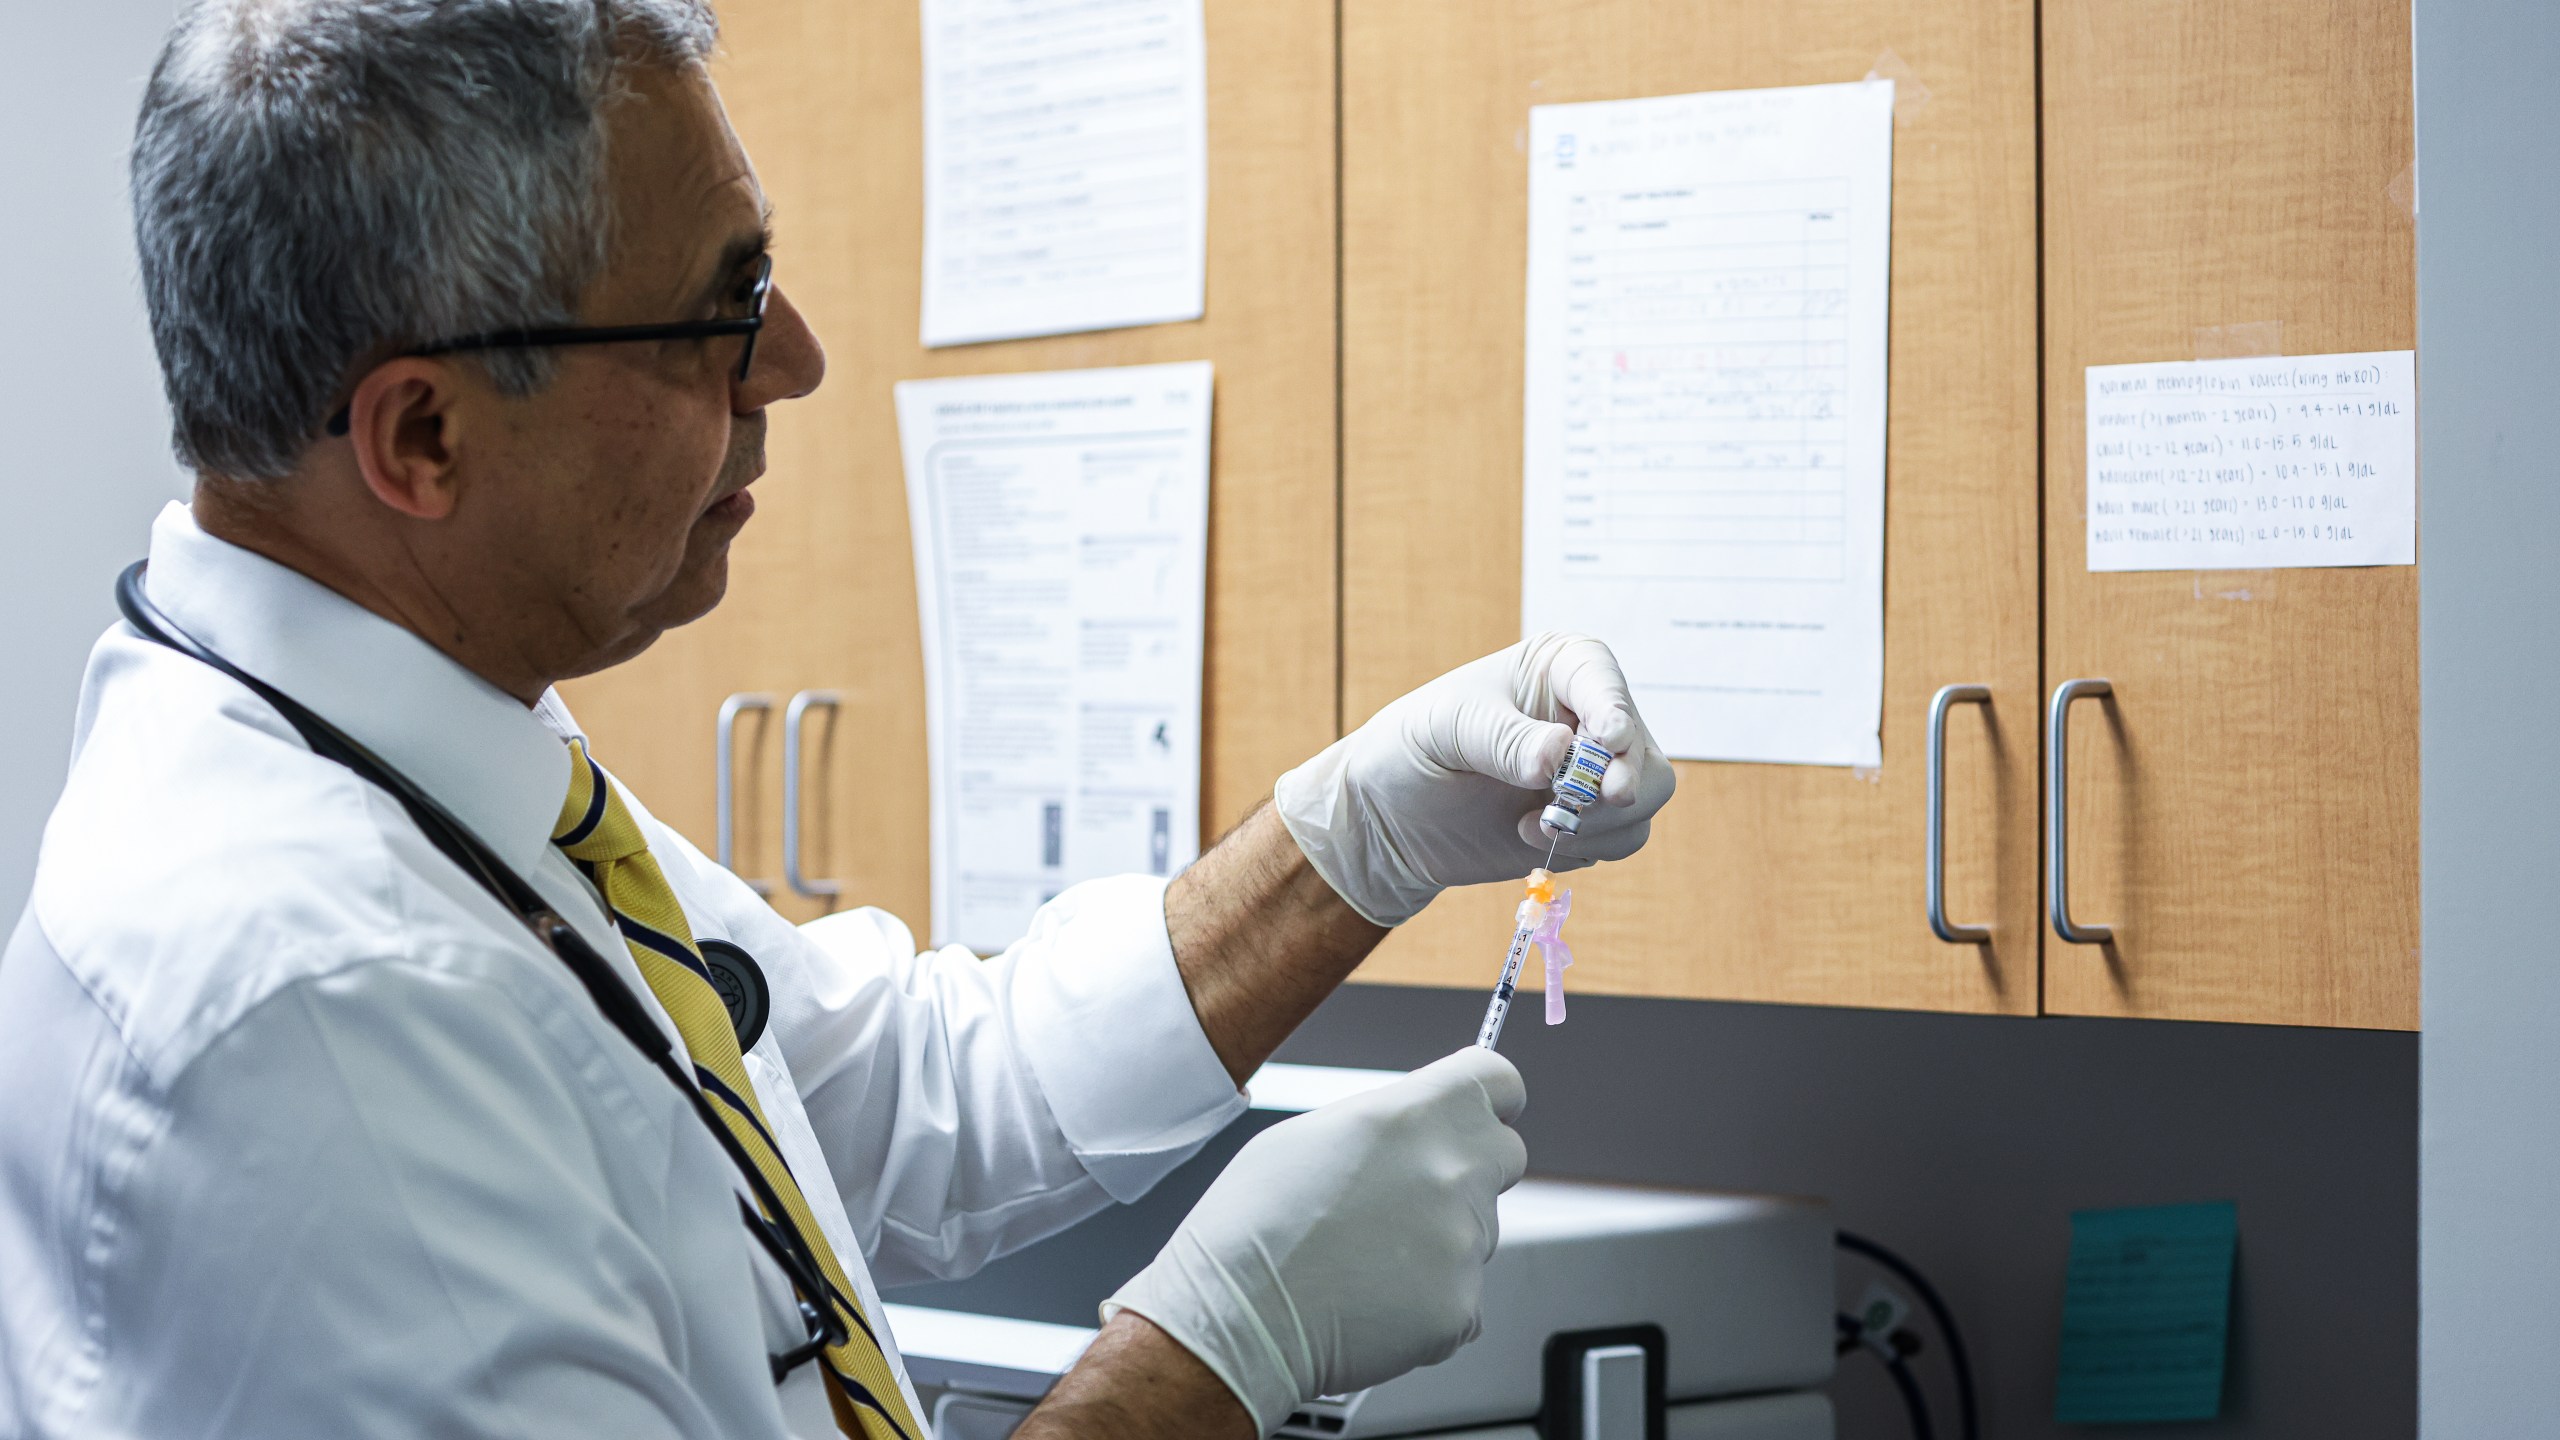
(2245, 808)
(1762, 882)
(827, 96)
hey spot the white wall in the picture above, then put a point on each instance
(2489, 640)
(83, 431)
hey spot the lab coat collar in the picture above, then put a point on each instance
(503, 770)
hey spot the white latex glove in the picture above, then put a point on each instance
(1444, 786)
(1346, 1246)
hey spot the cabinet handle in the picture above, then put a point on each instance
(2057, 815)
(1948, 696)
(725, 794)
(792, 714)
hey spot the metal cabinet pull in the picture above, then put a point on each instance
(725, 793)
(792, 714)
(1947, 698)
(2057, 815)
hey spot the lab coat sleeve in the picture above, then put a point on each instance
(379, 1208)
(968, 1107)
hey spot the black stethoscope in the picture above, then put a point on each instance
(734, 973)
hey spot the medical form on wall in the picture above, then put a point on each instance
(1703, 442)
(1061, 527)
(1065, 166)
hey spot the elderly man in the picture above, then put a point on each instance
(363, 1070)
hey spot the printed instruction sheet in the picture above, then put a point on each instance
(1065, 166)
(1704, 437)
(1061, 534)
(2282, 461)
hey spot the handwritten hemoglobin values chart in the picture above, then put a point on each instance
(2250, 464)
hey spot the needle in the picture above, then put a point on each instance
(1556, 840)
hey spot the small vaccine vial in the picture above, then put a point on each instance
(1576, 784)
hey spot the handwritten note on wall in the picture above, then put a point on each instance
(2254, 464)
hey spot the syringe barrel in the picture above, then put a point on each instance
(1489, 1033)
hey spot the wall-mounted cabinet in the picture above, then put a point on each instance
(1762, 882)
(2244, 806)
(2088, 185)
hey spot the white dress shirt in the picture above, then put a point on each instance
(302, 1134)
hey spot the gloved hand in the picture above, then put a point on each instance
(1345, 1246)
(1444, 786)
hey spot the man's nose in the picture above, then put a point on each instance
(789, 360)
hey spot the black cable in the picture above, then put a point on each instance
(1851, 1335)
(1911, 1398)
(1968, 1413)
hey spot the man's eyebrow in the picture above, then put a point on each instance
(737, 254)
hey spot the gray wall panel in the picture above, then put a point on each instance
(2489, 646)
(1965, 1142)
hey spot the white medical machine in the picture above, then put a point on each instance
(1611, 1312)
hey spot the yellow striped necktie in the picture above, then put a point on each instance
(597, 830)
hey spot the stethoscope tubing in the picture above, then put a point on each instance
(779, 1235)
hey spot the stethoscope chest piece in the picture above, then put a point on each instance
(741, 983)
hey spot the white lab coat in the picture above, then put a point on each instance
(302, 1134)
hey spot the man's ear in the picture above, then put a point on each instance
(405, 424)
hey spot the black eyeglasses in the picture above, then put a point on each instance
(759, 289)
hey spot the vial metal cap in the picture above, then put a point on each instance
(1556, 819)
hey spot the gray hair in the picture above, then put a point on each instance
(319, 184)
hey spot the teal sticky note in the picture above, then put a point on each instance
(2146, 1314)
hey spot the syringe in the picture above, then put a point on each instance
(1532, 913)
(1576, 784)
